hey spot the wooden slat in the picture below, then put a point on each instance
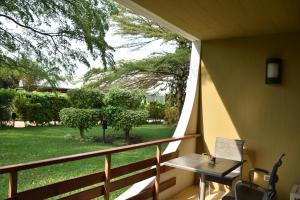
(126, 169)
(107, 176)
(157, 178)
(118, 184)
(62, 187)
(47, 162)
(132, 167)
(169, 156)
(148, 192)
(87, 194)
(13, 184)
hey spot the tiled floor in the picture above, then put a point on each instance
(192, 193)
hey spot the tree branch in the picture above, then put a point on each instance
(30, 28)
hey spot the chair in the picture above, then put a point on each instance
(228, 149)
(247, 190)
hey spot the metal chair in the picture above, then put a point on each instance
(228, 149)
(247, 190)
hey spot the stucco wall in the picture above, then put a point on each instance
(236, 102)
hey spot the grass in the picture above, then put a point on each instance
(35, 143)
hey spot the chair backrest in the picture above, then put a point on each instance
(229, 149)
(273, 176)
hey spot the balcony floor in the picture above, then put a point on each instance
(192, 193)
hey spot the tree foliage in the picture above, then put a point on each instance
(82, 119)
(156, 110)
(6, 104)
(82, 98)
(39, 107)
(172, 68)
(55, 34)
(124, 110)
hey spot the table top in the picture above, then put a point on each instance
(200, 164)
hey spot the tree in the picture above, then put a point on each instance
(6, 100)
(83, 98)
(29, 72)
(168, 67)
(55, 34)
(156, 110)
(82, 119)
(86, 111)
(124, 110)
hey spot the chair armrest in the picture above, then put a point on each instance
(251, 173)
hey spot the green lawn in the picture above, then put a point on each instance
(35, 143)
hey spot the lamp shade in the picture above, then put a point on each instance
(273, 71)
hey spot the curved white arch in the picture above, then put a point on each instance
(182, 125)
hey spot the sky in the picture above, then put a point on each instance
(120, 54)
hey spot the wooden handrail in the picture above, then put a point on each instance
(63, 159)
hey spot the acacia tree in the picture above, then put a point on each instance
(167, 67)
(55, 34)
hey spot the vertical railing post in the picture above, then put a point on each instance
(13, 184)
(157, 179)
(107, 176)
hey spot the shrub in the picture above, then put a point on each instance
(82, 98)
(6, 102)
(156, 110)
(82, 119)
(124, 110)
(39, 107)
(128, 99)
(171, 115)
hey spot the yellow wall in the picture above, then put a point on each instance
(236, 102)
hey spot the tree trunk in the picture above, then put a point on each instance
(127, 136)
(180, 98)
(103, 135)
(81, 131)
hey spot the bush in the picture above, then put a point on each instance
(6, 104)
(82, 119)
(124, 110)
(128, 99)
(171, 115)
(86, 99)
(156, 110)
(39, 107)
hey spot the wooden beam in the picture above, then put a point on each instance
(107, 171)
(87, 194)
(62, 187)
(13, 184)
(157, 178)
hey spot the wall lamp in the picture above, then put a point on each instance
(273, 70)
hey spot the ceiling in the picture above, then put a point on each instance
(213, 19)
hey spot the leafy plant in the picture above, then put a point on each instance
(6, 100)
(171, 115)
(82, 119)
(156, 110)
(82, 98)
(124, 110)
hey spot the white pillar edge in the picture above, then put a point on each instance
(180, 130)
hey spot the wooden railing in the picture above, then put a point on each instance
(105, 178)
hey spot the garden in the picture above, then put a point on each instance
(64, 124)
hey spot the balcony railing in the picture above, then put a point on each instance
(105, 178)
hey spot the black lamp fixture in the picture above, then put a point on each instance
(273, 71)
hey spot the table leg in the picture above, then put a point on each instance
(202, 187)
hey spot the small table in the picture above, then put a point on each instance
(200, 164)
